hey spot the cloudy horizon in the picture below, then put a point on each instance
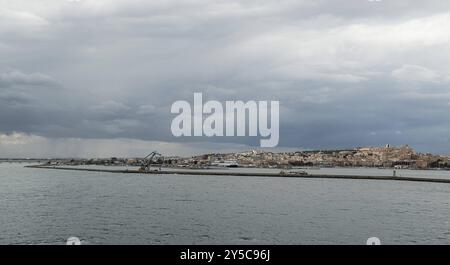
(97, 77)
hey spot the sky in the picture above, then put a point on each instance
(98, 78)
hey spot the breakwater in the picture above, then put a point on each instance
(248, 174)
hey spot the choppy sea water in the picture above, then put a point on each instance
(40, 206)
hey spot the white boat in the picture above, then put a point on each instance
(226, 163)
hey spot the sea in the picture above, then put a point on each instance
(45, 206)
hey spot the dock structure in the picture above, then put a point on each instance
(247, 174)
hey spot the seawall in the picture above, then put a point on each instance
(245, 174)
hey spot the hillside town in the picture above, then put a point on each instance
(380, 157)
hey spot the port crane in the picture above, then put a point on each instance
(147, 162)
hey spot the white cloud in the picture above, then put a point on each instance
(17, 138)
(17, 78)
(146, 109)
(11, 18)
(110, 107)
(416, 73)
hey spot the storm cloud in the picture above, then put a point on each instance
(346, 73)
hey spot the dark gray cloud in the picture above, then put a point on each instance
(347, 73)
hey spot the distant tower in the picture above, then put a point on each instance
(388, 146)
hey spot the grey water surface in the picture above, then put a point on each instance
(42, 206)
